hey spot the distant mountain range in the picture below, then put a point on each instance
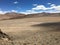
(13, 15)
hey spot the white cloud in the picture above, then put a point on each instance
(58, 8)
(49, 3)
(39, 7)
(13, 11)
(35, 4)
(42, 8)
(3, 12)
(52, 5)
(16, 2)
(29, 12)
(52, 11)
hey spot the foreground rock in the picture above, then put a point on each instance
(4, 36)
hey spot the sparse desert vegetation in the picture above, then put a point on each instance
(45, 31)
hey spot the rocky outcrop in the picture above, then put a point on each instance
(4, 36)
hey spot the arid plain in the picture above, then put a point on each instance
(28, 31)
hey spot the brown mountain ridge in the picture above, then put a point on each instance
(13, 15)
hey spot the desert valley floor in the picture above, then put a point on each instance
(28, 31)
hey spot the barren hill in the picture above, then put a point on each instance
(43, 14)
(13, 15)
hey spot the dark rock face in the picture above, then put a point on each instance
(4, 36)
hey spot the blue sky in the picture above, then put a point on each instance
(29, 6)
